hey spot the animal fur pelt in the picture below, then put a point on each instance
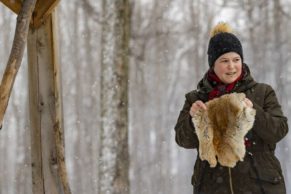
(221, 129)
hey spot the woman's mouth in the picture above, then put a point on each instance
(231, 73)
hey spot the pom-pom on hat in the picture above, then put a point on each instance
(222, 41)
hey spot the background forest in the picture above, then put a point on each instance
(168, 42)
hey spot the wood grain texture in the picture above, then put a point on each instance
(49, 170)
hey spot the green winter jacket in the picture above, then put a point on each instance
(260, 172)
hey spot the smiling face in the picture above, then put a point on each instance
(228, 67)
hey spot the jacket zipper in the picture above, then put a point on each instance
(230, 181)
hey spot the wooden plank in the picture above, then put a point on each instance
(14, 5)
(45, 108)
(35, 109)
(44, 64)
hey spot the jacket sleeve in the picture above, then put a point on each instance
(270, 123)
(185, 131)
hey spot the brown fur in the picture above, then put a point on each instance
(221, 129)
(221, 27)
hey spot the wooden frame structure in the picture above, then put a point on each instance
(49, 174)
(42, 10)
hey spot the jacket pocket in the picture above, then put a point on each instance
(267, 175)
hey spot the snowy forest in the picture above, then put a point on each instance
(168, 42)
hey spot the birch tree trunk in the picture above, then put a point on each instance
(114, 156)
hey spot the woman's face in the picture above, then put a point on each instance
(228, 67)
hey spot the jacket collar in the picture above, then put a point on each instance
(204, 86)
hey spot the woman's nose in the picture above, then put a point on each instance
(230, 65)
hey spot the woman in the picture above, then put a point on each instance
(260, 172)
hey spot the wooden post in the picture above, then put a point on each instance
(48, 166)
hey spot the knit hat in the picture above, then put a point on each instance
(222, 41)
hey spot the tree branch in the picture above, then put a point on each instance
(16, 54)
(90, 9)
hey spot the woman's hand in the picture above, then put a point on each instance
(248, 102)
(197, 106)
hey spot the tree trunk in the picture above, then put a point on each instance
(114, 156)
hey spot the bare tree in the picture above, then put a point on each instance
(114, 155)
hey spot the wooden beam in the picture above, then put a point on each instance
(14, 5)
(42, 9)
